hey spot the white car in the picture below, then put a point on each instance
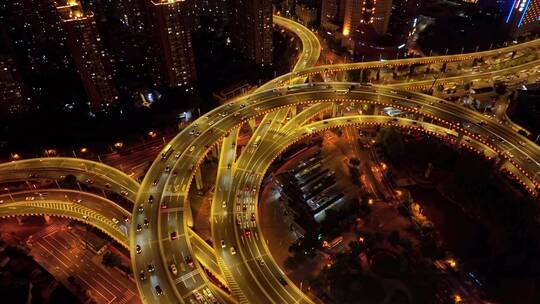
(173, 269)
(233, 250)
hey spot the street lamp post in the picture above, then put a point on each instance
(9, 192)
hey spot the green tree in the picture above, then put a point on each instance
(111, 259)
(354, 162)
(391, 143)
(291, 263)
(394, 238)
(500, 88)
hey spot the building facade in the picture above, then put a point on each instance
(523, 16)
(13, 99)
(170, 28)
(250, 26)
(89, 55)
(375, 13)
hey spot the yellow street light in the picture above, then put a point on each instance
(119, 145)
(452, 263)
(370, 201)
(84, 150)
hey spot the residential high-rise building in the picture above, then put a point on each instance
(213, 8)
(170, 27)
(13, 97)
(523, 16)
(367, 12)
(250, 26)
(305, 13)
(35, 31)
(88, 53)
(354, 15)
(329, 11)
(332, 14)
(382, 9)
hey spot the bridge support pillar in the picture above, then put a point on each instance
(335, 110)
(377, 110)
(198, 179)
(293, 111)
(252, 124)
(188, 216)
(215, 151)
(459, 139)
(499, 162)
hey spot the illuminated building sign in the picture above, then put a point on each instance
(524, 12)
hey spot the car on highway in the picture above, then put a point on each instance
(177, 155)
(151, 199)
(151, 268)
(141, 208)
(138, 248)
(163, 205)
(522, 143)
(198, 296)
(146, 222)
(89, 181)
(224, 204)
(283, 281)
(192, 148)
(223, 244)
(85, 217)
(173, 269)
(139, 227)
(126, 219)
(233, 250)
(142, 275)
(158, 290)
(189, 261)
(29, 198)
(209, 295)
(174, 236)
(124, 193)
(247, 232)
(167, 169)
(155, 182)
